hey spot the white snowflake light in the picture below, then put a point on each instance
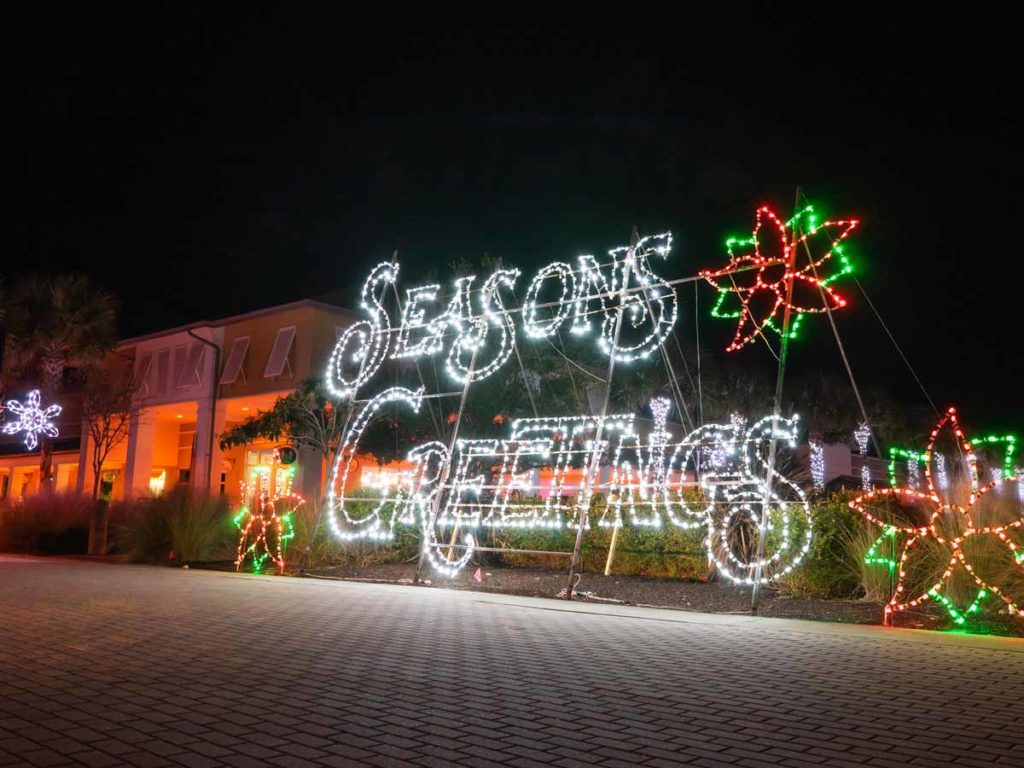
(32, 419)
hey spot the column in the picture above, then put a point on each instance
(206, 466)
(85, 473)
(139, 462)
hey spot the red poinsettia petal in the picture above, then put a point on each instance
(950, 464)
(816, 247)
(771, 240)
(759, 307)
(810, 295)
(740, 274)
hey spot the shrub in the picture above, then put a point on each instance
(176, 527)
(46, 523)
(665, 552)
(327, 550)
(834, 567)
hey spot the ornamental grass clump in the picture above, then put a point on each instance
(46, 523)
(176, 528)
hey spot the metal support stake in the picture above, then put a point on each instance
(762, 528)
(595, 459)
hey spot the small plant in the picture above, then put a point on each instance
(833, 568)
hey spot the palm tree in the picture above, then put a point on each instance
(55, 323)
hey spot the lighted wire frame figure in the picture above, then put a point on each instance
(265, 533)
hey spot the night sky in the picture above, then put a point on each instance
(202, 162)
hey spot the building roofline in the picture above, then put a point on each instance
(315, 303)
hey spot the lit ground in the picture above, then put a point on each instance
(115, 665)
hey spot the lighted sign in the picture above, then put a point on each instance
(476, 326)
(647, 486)
(715, 478)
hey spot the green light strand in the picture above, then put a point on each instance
(959, 618)
(872, 556)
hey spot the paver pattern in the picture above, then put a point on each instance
(104, 665)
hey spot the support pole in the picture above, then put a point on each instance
(611, 551)
(762, 528)
(595, 460)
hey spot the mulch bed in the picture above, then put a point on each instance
(707, 597)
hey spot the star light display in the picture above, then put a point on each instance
(266, 525)
(487, 483)
(32, 419)
(947, 527)
(753, 286)
(983, 444)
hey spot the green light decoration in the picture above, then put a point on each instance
(755, 285)
(958, 618)
(265, 535)
(875, 506)
(873, 557)
(906, 454)
(897, 454)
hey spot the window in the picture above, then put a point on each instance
(163, 371)
(279, 354)
(145, 363)
(235, 364)
(189, 373)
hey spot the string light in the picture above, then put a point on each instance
(817, 464)
(913, 473)
(535, 327)
(32, 419)
(372, 336)
(865, 477)
(494, 316)
(938, 510)
(649, 485)
(371, 526)
(759, 273)
(862, 435)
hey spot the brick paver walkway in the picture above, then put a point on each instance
(105, 665)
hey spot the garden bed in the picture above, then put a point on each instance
(707, 597)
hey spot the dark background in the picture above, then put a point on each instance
(207, 161)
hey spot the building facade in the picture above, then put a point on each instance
(191, 384)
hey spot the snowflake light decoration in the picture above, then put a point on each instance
(753, 286)
(934, 534)
(32, 419)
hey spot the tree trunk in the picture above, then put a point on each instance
(98, 528)
(53, 372)
(45, 464)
